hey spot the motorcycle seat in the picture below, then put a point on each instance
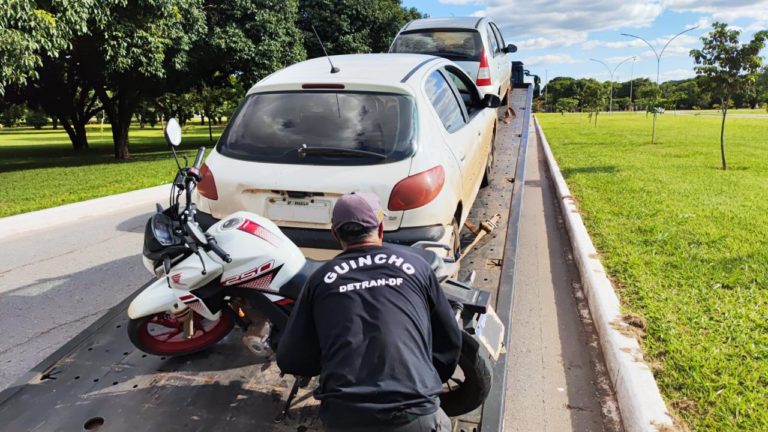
(292, 289)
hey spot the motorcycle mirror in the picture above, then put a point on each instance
(173, 132)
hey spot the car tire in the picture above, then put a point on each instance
(455, 239)
(489, 163)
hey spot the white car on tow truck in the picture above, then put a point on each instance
(413, 129)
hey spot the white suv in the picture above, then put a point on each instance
(475, 44)
(411, 128)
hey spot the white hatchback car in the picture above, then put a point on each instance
(475, 44)
(411, 128)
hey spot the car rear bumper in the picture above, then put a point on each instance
(323, 239)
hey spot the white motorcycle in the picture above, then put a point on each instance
(243, 270)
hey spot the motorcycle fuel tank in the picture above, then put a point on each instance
(263, 258)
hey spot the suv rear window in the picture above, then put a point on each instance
(333, 128)
(461, 45)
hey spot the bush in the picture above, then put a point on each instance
(36, 119)
(11, 116)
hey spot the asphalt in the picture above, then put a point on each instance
(55, 282)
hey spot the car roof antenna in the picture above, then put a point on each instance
(334, 69)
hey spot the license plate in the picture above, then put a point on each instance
(490, 332)
(299, 210)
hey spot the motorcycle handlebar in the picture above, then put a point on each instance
(218, 250)
(199, 158)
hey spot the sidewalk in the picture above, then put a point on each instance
(557, 380)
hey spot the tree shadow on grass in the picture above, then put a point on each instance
(41, 149)
(605, 169)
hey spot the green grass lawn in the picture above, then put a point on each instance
(39, 169)
(687, 246)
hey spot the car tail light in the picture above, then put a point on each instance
(417, 190)
(207, 186)
(483, 72)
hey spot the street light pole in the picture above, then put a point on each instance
(611, 72)
(658, 69)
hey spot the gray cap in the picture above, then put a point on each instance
(363, 208)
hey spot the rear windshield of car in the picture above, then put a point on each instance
(340, 126)
(461, 45)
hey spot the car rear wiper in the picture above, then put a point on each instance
(337, 151)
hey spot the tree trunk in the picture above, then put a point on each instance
(76, 132)
(210, 131)
(120, 136)
(724, 109)
(55, 122)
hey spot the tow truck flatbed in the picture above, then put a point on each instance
(99, 381)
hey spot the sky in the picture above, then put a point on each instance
(558, 38)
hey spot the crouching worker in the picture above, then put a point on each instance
(376, 326)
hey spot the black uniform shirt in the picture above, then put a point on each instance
(376, 326)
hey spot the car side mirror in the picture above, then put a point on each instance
(510, 49)
(491, 101)
(173, 132)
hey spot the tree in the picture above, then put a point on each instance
(352, 26)
(137, 46)
(592, 98)
(565, 105)
(29, 32)
(65, 91)
(728, 66)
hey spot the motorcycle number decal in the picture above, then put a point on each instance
(259, 278)
(259, 231)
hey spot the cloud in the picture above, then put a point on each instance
(478, 13)
(565, 18)
(681, 45)
(724, 10)
(549, 59)
(460, 2)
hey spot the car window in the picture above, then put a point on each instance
(468, 92)
(272, 127)
(459, 45)
(493, 44)
(444, 101)
(499, 38)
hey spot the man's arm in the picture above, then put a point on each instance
(446, 335)
(299, 350)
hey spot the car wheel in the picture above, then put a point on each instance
(489, 163)
(455, 239)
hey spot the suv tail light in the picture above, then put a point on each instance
(207, 186)
(483, 72)
(417, 190)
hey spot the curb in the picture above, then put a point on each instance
(69, 213)
(640, 402)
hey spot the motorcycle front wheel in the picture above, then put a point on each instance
(162, 334)
(471, 382)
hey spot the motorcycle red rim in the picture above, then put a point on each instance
(163, 333)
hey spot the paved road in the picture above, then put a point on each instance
(55, 282)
